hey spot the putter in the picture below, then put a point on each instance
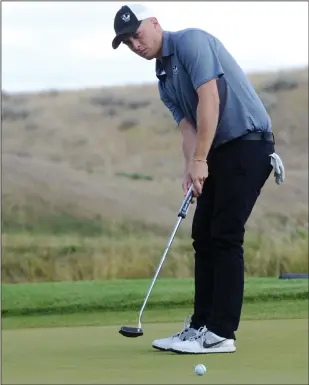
(133, 332)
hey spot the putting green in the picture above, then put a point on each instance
(268, 352)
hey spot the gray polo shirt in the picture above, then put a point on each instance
(192, 57)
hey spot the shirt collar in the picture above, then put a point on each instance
(167, 47)
(167, 50)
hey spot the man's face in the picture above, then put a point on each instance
(146, 42)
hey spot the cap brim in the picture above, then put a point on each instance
(127, 31)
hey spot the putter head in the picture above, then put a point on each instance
(131, 332)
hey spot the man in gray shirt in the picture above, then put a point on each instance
(227, 143)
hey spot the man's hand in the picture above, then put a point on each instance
(187, 181)
(197, 174)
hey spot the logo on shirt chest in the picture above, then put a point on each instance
(175, 70)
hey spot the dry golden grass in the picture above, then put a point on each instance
(70, 157)
(67, 258)
(66, 155)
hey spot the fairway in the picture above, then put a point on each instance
(270, 351)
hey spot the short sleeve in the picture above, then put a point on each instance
(175, 110)
(198, 53)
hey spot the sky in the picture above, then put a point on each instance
(67, 45)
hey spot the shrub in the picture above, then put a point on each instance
(135, 176)
(136, 105)
(127, 124)
(281, 83)
(106, 101)
(11, 113)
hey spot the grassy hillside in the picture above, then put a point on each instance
(108, 162)
(115, 152)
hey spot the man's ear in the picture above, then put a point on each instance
(154, 20)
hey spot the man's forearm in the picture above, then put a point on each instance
(207, 121)
(188, 139)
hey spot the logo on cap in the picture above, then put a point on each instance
(126, 17)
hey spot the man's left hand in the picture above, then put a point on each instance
(198, 171)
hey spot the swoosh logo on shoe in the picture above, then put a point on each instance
(208, 346)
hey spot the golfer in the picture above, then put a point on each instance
(228, 147)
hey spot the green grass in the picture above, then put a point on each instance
(268, 352)
(67, 333)
(284, 309)
(122, 295)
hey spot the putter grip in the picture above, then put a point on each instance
(186, 203)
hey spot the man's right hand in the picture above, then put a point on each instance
(187, 181)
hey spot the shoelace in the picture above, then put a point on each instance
(201, 334)
(182, 332)
(186, 327)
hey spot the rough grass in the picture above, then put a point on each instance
(124, 252)
(122, 295)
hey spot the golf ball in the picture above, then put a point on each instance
(200, 369)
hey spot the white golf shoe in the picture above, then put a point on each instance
(204, 341)
(166, 343)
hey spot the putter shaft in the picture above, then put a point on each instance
(181, 215)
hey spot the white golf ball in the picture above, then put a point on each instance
(200, 369)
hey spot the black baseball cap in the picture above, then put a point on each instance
(127, 21)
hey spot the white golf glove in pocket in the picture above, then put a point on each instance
(277, 164)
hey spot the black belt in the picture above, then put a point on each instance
(254, 135)
(267, 136)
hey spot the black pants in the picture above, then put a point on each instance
(236, 173)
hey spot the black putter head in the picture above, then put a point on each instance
(130, 332)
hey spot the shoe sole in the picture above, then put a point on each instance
(208, 351)
(161, 349)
